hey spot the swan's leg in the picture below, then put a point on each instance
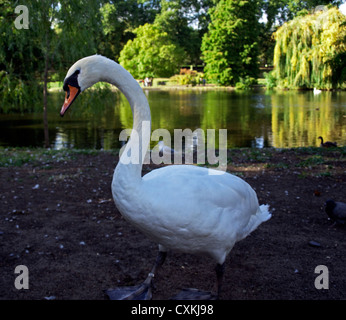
(160, 259)
(141, 292)
(220, 270)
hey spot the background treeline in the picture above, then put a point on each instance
(153, 38)
(310, 51)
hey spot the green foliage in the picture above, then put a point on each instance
(230, 47)
(284, 10)
(176, 18)
(188, 77)
(277, 13)
(59, 33)
(270, 80)
(18, 62)
(15, 93)
(151, 53)
(245, 83)
(62, 31)
(310, 51)
(119, 19)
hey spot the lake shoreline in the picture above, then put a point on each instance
(166, 87)
(208, 87)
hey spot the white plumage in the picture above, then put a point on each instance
(181, 207)
(186, 209)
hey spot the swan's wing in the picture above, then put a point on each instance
(187, 209)
(189, 197)
(190, 184)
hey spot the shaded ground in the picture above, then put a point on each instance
(57, 218)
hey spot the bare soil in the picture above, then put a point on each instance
(57, 217)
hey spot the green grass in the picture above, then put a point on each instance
(280, 165)
(307, 157)
(17, 157)
(311, 161)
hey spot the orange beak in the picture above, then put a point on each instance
(71, 95)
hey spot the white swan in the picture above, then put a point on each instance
(181, 207)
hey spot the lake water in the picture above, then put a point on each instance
(252, 119)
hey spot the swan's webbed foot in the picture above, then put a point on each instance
(194, 294)
(140, 292)
(129, 293)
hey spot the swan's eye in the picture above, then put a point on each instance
(67, 90)
(71, 81)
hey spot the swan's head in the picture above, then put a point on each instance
(82, 75)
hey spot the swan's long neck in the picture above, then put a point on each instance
(129, 168)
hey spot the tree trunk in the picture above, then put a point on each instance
(45, 92)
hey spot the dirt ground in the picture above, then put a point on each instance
(57, 217)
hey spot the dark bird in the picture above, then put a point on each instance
(327, 144)
(336, 211)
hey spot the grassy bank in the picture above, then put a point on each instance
(18, 157)
(312, 157)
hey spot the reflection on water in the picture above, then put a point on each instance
(61, 140)
(298, 120)
(252, 119)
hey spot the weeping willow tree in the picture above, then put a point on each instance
(310, 51)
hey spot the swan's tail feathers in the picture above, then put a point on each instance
(263, 214)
